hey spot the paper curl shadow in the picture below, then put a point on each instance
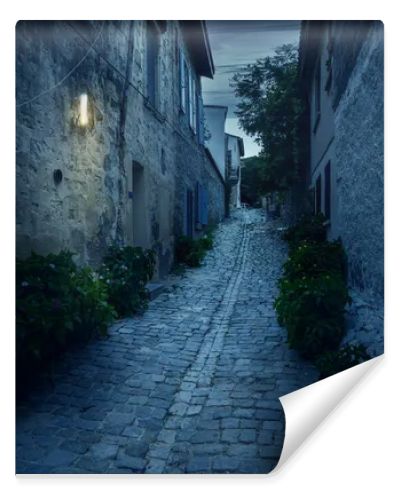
(308, 407)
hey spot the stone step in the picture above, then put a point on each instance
(155, 288)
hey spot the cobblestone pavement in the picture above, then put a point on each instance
(191, 386)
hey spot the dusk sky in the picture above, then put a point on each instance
(235, 44)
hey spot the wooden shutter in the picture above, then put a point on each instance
(203, 205)
(318, 195)
(194, 104)
(200, 119)
(182, 81)
(189, 213)
(328, 190)
(198, 201)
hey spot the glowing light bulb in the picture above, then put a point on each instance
(83, 110)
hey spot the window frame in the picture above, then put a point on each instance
(328, 190)
(153, 43)
(317, 94)
(183, 82)
(318, 195)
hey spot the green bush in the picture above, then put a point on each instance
(94, 313)
(56, 304)
(310, 228)
(125, 271)
(46, 306)
(192, 252)
(333, 362)
(312, 310)
(310, 259)
(207, 241)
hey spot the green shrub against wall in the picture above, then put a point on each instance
(349, 355)
(312, 290)
(312, 310)
(125, 271)
(46, 306)
(310, 229)
(59, 304)
(94, 313)
(192, 252)
(312, 260)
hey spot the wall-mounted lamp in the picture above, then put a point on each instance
(85, 113)
(83, 116)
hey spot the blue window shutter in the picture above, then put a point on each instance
(182, 81)
(198, 202)
(200, 119)
(203, 206)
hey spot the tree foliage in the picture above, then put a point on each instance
(270, 110)
(252, 176)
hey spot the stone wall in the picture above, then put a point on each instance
(81, 212)
(216, 192)
(122, 176)
(359, 164)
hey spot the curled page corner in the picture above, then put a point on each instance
(308, 407)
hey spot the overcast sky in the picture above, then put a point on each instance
(235, 44)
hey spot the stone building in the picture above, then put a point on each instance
(110, 139)
(227, 151)
(215, 135)
(341, 66)
(235, 151)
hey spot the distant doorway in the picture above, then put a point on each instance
(189, 214)
(139, 209)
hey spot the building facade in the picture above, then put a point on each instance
(110, 137)
(341, 65)
(215, 135)
(235, 152)
(227, 151)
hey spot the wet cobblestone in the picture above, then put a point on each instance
(192, 386)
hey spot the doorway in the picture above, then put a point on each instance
(139, 206)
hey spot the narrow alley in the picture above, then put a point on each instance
(191, 386)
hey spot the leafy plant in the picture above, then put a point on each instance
(46, 306)
(189, 251)
(57, 304)
(207, 241)
(310, 229)
(192, 252)
(310, 260)
(332, 362)
(125, 271)
(312, 310)
(94, 313)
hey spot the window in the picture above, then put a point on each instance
(318, 195)
(183, 78)
(317, 94)
(189, 213)
(192, 103)
(201, 201)
(328, 191)
(153, 44)
(200, 119)
(229, 159)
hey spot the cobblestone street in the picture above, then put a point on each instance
(191, 386)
